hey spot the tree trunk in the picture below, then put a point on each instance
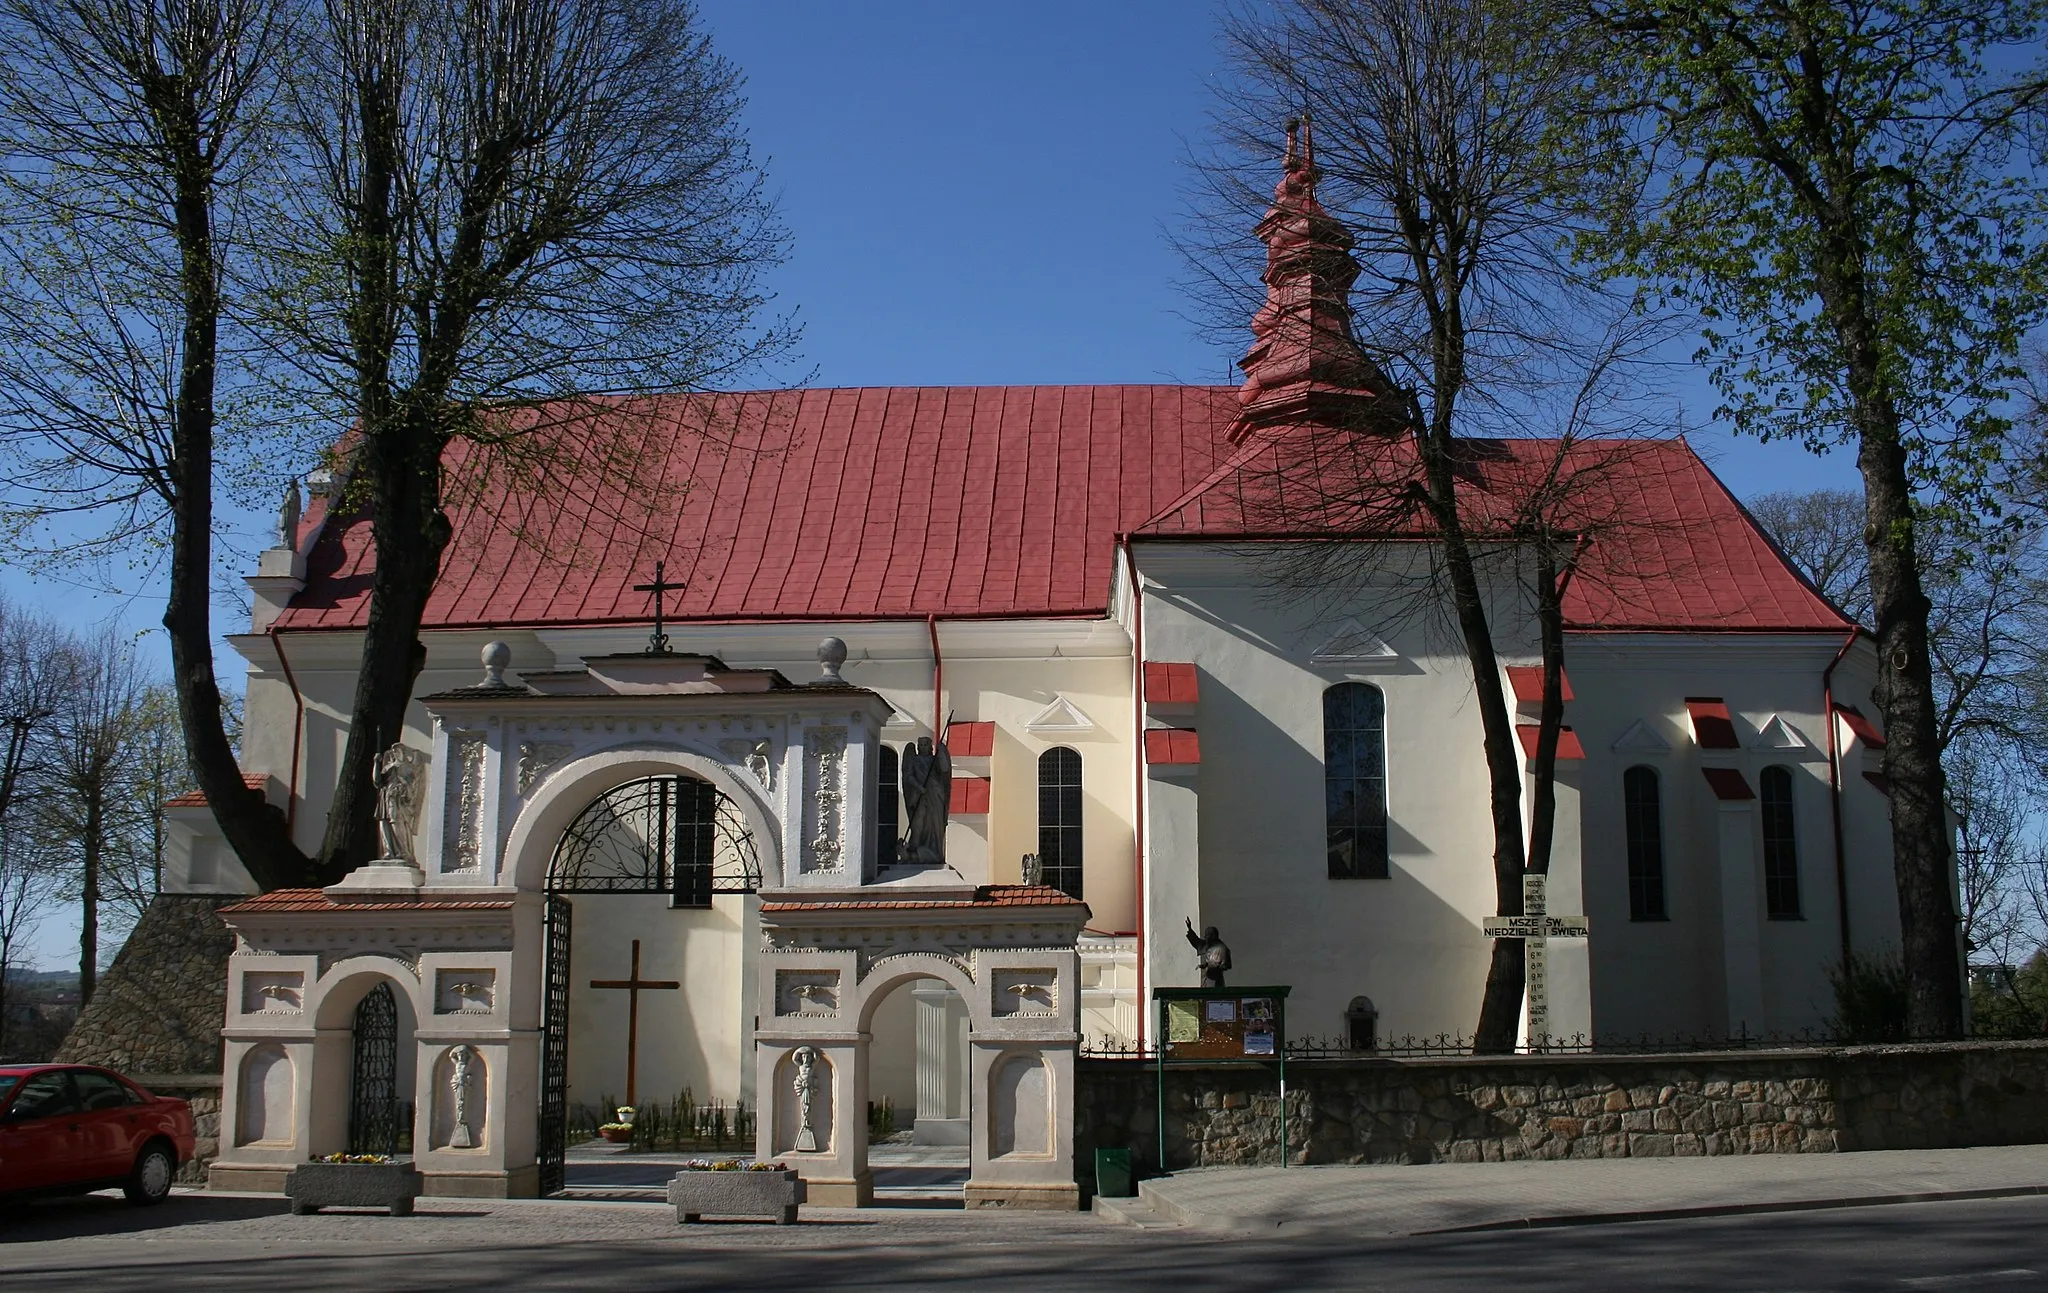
(1912, 752)
(410, 532)
(95, 823)
(254, 829)
(1500, 1008)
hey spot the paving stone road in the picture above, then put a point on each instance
(98, 1245)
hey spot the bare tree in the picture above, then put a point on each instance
(93, 812)
(224, 215)
(31, 687)
(1822, 534)
(1449, 135)
(514, 201)
(132, 136)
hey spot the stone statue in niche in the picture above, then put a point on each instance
(458, 1082)
(926, 773)
(401, 780)
(1211, 954)
(808, 1083)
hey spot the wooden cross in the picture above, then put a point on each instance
(634, 986)
(657, 642)
(1536, 927)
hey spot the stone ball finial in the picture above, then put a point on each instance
(496, 656)
(831, 655)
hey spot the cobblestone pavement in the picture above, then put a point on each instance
(233, 1245)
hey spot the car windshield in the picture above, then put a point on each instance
(8, 1081)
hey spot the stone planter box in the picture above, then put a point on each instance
(313, 1186)
(736, 1194)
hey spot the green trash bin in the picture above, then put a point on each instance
(1114, 1178)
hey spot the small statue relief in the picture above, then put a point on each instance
(1210, 953)
(401, 780)
(288, 511)
(458, 1082)
(808, 1083)
(926, 775)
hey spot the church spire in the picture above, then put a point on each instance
(1304, 366)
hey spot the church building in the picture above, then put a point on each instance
(892, 758)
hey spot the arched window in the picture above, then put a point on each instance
(888, 799)
(1645, 825)
(1781, 844)
(1355, 780)
(1059, 818)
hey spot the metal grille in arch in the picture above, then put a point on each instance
(672, 834)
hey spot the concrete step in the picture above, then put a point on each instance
(1132, 1212)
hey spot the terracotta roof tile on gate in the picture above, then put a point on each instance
(258, 781)
(898, 503)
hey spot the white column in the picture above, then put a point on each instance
(941, 1067)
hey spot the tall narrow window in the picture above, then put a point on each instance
(1781, 844)
(888, 798)
(1355, 780)
(1645, 824)
(1059, 818)
(696, 838)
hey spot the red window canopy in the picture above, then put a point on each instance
(1172, 745)
(1527, 680)
(969, 796)
(1169, 683)
(1865, 730)
(1712, 728)
(1729, 785)
(971, 740)
(1568, 746)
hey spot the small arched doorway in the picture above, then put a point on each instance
(672, 838)
(919, 1083)
(379, 1120)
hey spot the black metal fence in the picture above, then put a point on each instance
(1446, 1045)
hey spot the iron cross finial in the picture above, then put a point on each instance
(657, 641)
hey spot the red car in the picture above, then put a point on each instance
(69, 1128)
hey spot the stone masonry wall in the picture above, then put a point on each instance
(1572, 1106)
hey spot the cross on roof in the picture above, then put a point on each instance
(657, 641)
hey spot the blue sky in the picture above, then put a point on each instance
(977, 193)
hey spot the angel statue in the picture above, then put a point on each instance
(926, 773)
(288, 516)
(401, 780)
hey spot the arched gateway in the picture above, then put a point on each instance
(709, 793)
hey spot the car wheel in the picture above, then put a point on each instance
(150, 1182)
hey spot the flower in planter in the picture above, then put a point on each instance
(625, 1114)
(351, 1158)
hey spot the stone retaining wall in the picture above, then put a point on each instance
(1572, 1106)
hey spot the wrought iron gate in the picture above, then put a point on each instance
(374, 1110)
(554, 1048)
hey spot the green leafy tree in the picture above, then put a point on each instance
(1840, 190)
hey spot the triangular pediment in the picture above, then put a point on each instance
(1354, 643)
(1060, 716)
(1641, 738)
(1777, 734)
(897, 718)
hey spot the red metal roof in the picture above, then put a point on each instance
(1865, 730)
(257, 781)
(1568, 746)
(316, 900)
(1172, 745)
(1170, 683)
(1712, 728)
(885, 503)
(1728, 784)
(969, 796)
(1527, 681)
(988, 895)
(971, 740)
